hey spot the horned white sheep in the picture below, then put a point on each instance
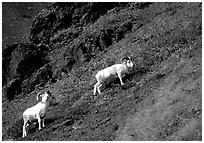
(117, 69)
(38, 111)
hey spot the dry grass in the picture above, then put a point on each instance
(161, 99)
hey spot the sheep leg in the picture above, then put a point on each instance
(27, 125)
(98, 88)
(39, 121)
(43, 122)
(24, 129)
(95, 86)
(120, 77)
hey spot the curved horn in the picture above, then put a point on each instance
(48, 92)
(39, 93)
(125, 59)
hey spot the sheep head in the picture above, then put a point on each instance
(127, 61)
(45, 96)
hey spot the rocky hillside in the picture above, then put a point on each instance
(70, 42)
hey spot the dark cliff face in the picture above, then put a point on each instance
(20, 61)
(71, 42)
(63, 15)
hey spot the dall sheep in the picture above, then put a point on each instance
(117, 69)
(38, 111)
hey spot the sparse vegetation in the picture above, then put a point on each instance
(161, 98)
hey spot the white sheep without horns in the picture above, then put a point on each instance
(117, 69)
(38, 111)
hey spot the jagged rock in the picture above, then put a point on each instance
(20, 61)
(39, 78)
(63, 15)
(61, 25)
(25, 59)
(12, 88)
(6, 58)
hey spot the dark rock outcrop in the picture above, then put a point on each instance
(12, 88)
(63, 15)
(20, 61)
(25, 59)
(39, 78)
(6, 58)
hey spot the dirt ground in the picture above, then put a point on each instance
(160, 101)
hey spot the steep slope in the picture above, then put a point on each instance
(161, 98)
(174, 105)
(51, 32)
